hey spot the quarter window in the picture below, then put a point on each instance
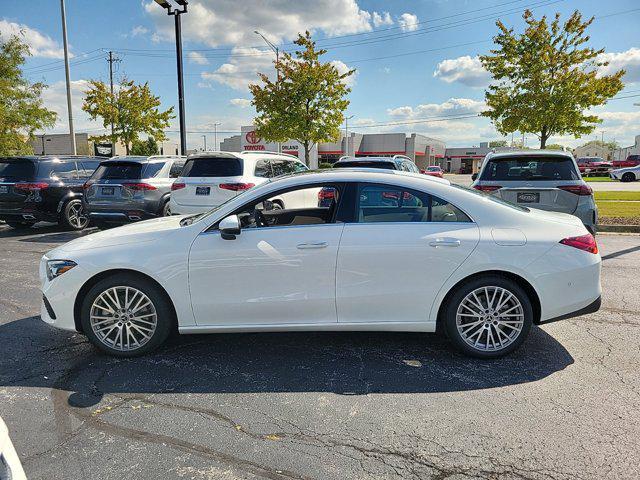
(153, 169)
(176, 168)
(263, 169)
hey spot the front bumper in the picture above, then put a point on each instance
(59, 296)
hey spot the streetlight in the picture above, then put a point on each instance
(215, 136)
(204, 138)
(176, 15)
(277, 52)
(346, 133)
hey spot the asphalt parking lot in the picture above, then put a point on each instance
(323, 405)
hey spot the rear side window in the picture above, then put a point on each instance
(286, 167)
(213, 167)
(153, 169)
(176, 168)
(16, 169)
(58, 169)
(118, 171)
(531, 168)
(263, 169)
(365, 164)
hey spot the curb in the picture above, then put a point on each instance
(619, 228)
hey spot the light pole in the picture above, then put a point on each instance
(277, 52)
(215, 136)
(176, 15)
(204, 138)
(67, 76)
(346, 133)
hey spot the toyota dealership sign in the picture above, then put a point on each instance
(251, 141)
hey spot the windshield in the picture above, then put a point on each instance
(11, 169)
(491, 198)
(213, 167)
(199, 216)
(530, 168)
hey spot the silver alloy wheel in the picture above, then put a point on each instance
(490, 318)
(123, 318)
(77, 218)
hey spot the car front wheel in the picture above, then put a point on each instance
(488, 317)
(125, 315)
(628, 177)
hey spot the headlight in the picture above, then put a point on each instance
(55, 268)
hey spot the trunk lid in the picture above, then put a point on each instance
(541, 195)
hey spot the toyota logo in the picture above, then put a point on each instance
(252, 138)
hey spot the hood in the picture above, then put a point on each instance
(139, 232)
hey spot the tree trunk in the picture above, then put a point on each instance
(126, 147)
(306, 153)
(544, 136)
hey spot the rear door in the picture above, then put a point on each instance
(211, 181)
(535, 181)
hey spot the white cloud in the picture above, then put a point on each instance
(466, 70)
(138, 30)
(629, 60)
(40, 45)
(225, 22)
(55, 98)
(408, 22)
(242, 68)
(343, 68)
(453, 106)
(240, 102)
(197, 58)
(380, 19)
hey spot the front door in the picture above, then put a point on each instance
(393, 261)
(279, 270)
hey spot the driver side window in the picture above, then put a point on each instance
(298, 207)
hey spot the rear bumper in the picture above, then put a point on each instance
(178, 209)
(591, 308)
(26, 214)
(120, 217)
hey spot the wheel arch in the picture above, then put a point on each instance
(519, 280)
(77, 305)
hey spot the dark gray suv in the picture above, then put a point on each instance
(128, 189)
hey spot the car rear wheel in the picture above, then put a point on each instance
(488, 317)
(166, 209)
(628, 177)
(74, 216)
(125, 315)
(19, 225)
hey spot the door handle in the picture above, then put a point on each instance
(445, 242)
(310, 245)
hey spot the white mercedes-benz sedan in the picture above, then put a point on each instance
(383, 250)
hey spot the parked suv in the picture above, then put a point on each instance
(211, 178)
(44, 188)
(130, 188)
(544, 179)
(397, 162)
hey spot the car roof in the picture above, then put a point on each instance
(358, 174)
(44, 158)
(368, 159)
(527, 153)
(246, 155)
(140, 158)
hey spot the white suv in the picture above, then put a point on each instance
(209, 179)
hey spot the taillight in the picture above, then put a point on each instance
(139, 187)
(236, 186)
(326, 194)
(31, 187)
(583, 190)
(487, 188)
(177, 186)
(583, 242)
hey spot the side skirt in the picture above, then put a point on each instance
(317, 327)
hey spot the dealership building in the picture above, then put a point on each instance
(422, 150)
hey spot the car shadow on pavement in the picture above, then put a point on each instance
(36, 355)
(45, 233)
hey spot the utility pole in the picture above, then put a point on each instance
(204, 138)
(111, 61)
(277, 52)
(215, 136)
(67, 76)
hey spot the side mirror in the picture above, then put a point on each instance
(229, 227)
(474, 177)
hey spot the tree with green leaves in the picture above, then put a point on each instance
(497, 143)
(307, 100)
(146, 147)
(546, 79)
(21, 109)
(132, 109)
(556, 146)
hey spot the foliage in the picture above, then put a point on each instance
(325, 165)
(307, 101)
(497, 143)
(21, 109)
(556, 146)
(608, 145)
(546, 79)
(145, 148)
(132, 110)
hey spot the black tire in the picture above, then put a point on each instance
(628, 177)
(165, 211)
(74, 216)
(19, 225)
(165, 317)
(451, 310)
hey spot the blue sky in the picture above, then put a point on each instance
(414, 59)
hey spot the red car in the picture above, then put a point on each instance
(593, 166)
(631, 161)
(434, 171)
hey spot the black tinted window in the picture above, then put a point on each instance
(90, 166)
(263, 169)
(213, 167)
(176, 168)
(530, 169)
(58, 169)
(283, 167)
(365, 164)
(16, 169)
(443, 211)
(152, 169)
(119, 171)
